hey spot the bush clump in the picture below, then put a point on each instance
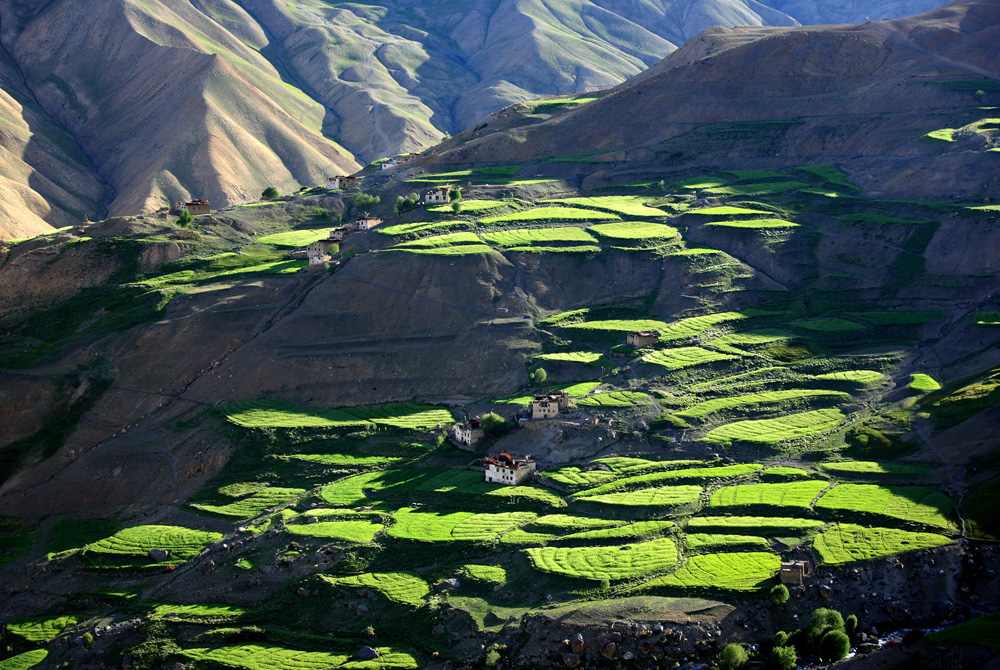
(779, 594)
(733, 656)
(834, 645)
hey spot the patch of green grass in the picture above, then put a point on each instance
(429, 526)
(634, 230)
(828, 325)
(684, 357)
(442, 485)
(874, 468)
(42, 630)
(703, 409)
(864, 377)
(751, 338)
(569, 249)
(986, 318)
(581, 389)
(614, 399)
(400, 587)
(769, 525)
(754, 175)
(255, 504)
(695, 325)
(567, 522)
(694, 474)
(447, 240)
(617, 325)
(135, 542)
(540, 214)
(942, 134)
(548, 106)
(635, 530)
(347, 460)
(764, 188)
(699, 541)
(349, 492)
(740, 379)
(294, 239)
(611, 563)
(529, 236)
(780, 429)
(826, 193)
(469, 207)
(360, 532)
(982, 631)
(725, 210)
(261, 656)
(421, 227)
(70, 534)
(830, 175)
(28, 659)
(626, 205)
(275, 413)
(457, 250)
(734, 571)
(199, 611)
(696, 252)
(490, 574)
(697, 183)
(846, 543)
(788, 494)
(784, 472)
(754, 223)
(919, 504)
(664, 496)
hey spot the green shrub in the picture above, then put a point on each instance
(780, 638)
(784, 658)
(494, 425)
(270, 193)
(823, 621)
(834, 645)
(733, 656)
(539, 376)
(851, 624)
(364, 200)
(185, 219)
(779, 594)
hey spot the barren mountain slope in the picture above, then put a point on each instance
(864, 93)
(170, 103)
(45, 180)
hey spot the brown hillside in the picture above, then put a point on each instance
(864, 93)
(180, 107)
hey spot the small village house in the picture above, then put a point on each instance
(319, 251)
(341, 182)
(194, 208)
(437, 196)
(642, 338)
(389, 164)
(367, 222)
(338, 234)
(469, 432)
(795, 572)
(507, 470)
(548, 405)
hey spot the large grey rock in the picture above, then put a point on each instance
(158, 555)
(366, 653)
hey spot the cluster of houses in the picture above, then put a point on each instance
(318, 252)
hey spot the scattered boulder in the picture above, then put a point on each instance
(577, 644)
(609, 650)
(158, 555)
(899, 610)
(362, 609)
(447, 584)
(302, 591)
(826, 591)
(366, 653)
(571, 660)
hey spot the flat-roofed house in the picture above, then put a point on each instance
(642, 338)
(505, 469)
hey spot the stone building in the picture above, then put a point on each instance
(194, 208)
(341, 182)
(641, 338)
(437, 196)
(548, 405)
(507, 470)
(367, 222)
(795, 572)
(319, 251)
(469, 432)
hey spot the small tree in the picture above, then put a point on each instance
(780, 638)
(270, 193)
(733, 656)
(779, 594)
(494, 425)
(851, 625)
(363, 200)
(539, 376)
(455, 194)
(456, 206)
(823, 621)
(834, 645)
(784, 658)
(185, 219)
(401, 205)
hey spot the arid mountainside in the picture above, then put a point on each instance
(905, 105)
(146, 103)
(165, 102)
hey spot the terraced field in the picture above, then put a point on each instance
(617, 325)
(716, 541)
(551, 214)
(25, 661)
(133, 544)
(283, 414)
(754, 223)
(866, 469)
(253, 505)
(735, 571)
(447, 240)
(629, 531)
(697, 474)
(614, 399)
(400, 587)
(583, 357)
(626, 205)
(780, 429)
(469, 207)
(696, 325)
(664, 496)
(846, 543)
(426, 526)
(612, 563)
(767, 525)
(755, 400)
(526, 237)
(684, 357)
(634, 230)
(361, 532)
(918, 504)
(260, 656)
(791, 494)
(490, 574)
(41, 630)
